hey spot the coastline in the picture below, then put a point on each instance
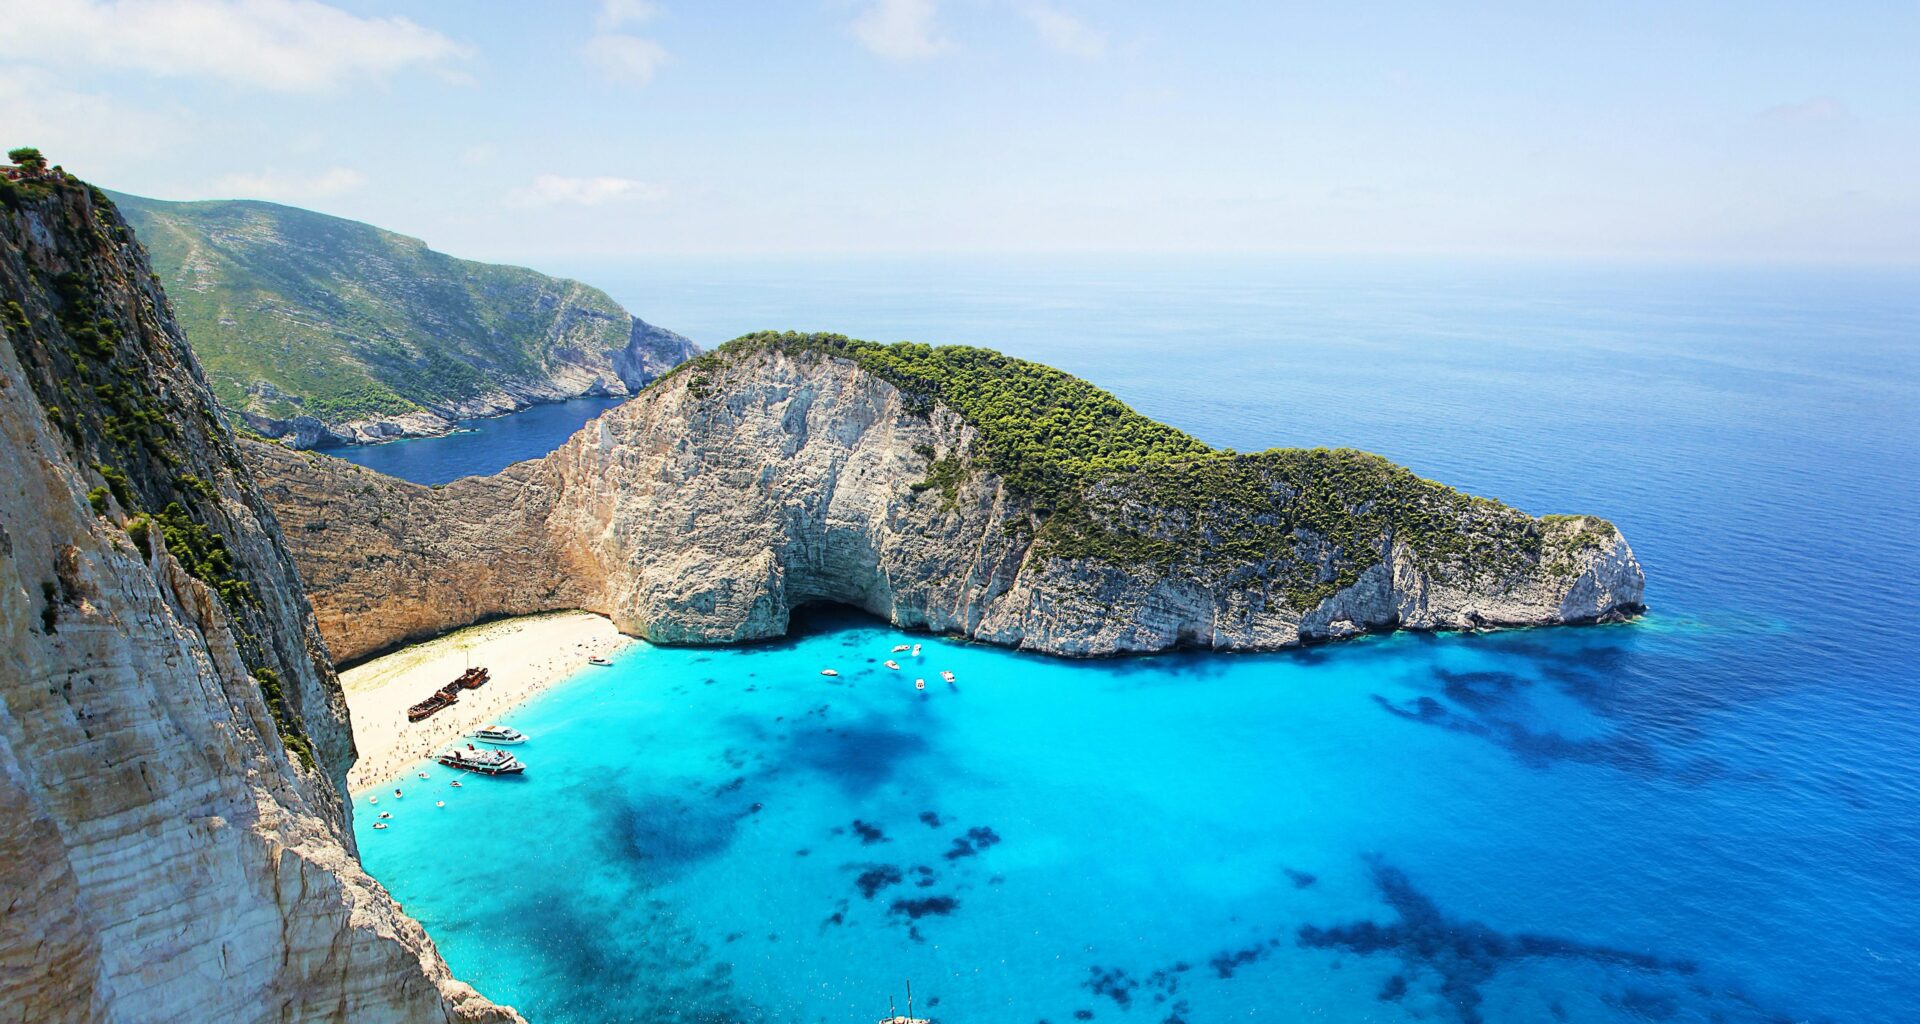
(525, 656)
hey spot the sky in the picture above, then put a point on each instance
(526, 132)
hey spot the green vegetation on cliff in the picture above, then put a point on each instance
(293, 312)
(1108, 484)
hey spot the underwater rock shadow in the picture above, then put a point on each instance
(1462, 956)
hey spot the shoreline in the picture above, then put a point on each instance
(525, 656)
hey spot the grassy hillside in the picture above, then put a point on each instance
(295, 312)
(1108, 483)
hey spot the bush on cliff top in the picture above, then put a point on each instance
(1110, 484)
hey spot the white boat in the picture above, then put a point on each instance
(828, 672)
(916, 650)
(497, 734)
(483, 762)
(892, 664)
(908, 1017)
(947, 675)
(598, 660)
(902, 647)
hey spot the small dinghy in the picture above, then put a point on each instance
(828, 672)
(439, 803)
(455, 783)
(919, 684)
(374, 799)
(423, 775)
(496, 734)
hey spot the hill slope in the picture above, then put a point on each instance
(174, 825)
(952, 489)
(319, 329)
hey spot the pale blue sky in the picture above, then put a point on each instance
(524, 132)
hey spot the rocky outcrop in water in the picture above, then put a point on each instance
(773, 473)
(174, 840)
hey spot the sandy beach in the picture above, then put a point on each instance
(525, 656)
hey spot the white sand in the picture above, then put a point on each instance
(524, 657)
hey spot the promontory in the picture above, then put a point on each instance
(950, 489)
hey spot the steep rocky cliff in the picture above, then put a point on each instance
(949, 489)
(174, 842)
(322, 330)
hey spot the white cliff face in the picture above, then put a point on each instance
(709, 507)
(164, 854)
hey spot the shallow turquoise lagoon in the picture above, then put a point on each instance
(1712, 814)
(1394, 829)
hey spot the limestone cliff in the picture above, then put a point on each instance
(174, 841)
(953, 490)
(320, 330)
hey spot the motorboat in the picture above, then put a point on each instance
(947, 674)
(898, 648)
(892, 664)
(480, 761)
(598, 660)
(828, 672)
(498, 734)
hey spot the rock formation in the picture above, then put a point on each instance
(174, 840)
(913, 483)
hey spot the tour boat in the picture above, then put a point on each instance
(472, 678)
(892, 664)
(483, 762)
(498, 734)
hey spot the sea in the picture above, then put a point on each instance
(1710, 814)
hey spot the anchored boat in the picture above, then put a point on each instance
(498, 734)
(908, 1018)
(481, 762)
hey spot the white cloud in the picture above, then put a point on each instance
(1066, 33)
(900, 30)
(625, 58)
(283, 45)
(330, 182)
(616, 13)
(559, 190)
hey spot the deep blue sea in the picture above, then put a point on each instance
(479, 447)
(1711, 814)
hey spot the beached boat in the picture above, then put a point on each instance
(440, 701)
(472, 678)
(481, 762)
(498, 734)
(598, 660)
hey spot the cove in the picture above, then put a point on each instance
(480, 447)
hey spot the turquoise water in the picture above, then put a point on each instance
(1712, 814)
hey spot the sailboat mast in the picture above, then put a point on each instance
(909, 1001)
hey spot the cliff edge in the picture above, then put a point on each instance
(952, 489)
(174, 841)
